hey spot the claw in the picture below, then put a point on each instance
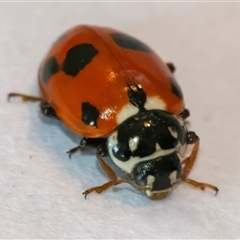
(85, 194)
(73, 150)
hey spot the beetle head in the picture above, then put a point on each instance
(158, 175)
(148, 136)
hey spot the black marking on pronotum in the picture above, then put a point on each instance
(78, 57)
(152, 129)
(90, 114)
(126, 41)
(136, 95)
(176, 89)
(50, 67)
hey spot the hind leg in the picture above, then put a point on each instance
(24, 97)
(46, 109)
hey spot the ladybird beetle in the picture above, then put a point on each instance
(119, 95)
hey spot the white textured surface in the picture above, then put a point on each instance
(41, 189)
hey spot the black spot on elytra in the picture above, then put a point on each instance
(78, 57)
(50, 67)
(90, 114)
(137, 96)
(126, 41)
(176, 89)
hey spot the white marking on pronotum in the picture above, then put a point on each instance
(133, 143)
(173, 132)
(154, 103)
(181, 121)
(126, 112)
(183, 150)
(129, 110)
(157, 147)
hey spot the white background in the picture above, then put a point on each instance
(41, 189)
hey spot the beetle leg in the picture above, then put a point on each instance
(201, 185)
(46, 109)
(81, 147)
(188, 164)
(189, 161)
(99, 143)
(114, 180)
(171, 67)
(24, 97)
(74, 150)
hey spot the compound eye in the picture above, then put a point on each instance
(140, 180)
(121, 153)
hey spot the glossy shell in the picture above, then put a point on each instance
(86, 74)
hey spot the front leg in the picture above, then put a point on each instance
(189, 162)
